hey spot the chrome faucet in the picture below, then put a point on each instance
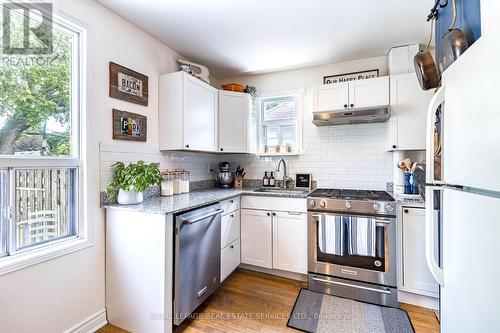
(285, 177)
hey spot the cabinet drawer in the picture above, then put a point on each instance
(230, 205)
(274, 204)
(229, 259)
(230, 228)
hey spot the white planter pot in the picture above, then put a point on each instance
(129, 197)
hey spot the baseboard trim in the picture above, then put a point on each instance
(276, 272)
(90, 324)
(420, 300)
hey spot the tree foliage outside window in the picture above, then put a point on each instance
(35, 98)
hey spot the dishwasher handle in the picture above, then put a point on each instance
(200, 218)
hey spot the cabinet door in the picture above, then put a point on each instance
(369, 93)
(233, 114)
(416, 275)
(331, 97)
(256, 238)
(229, 228)
(200, 115)
(229, 259)
(290, 242)
(408, 113)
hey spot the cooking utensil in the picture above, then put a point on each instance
(454, 43)
(425, 67)
(233, 87)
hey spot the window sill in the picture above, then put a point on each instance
(295, 153)
(19, 261)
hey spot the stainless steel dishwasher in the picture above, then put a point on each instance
(197, 259)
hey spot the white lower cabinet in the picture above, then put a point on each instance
(230, 228)
(229, 259)
(256, 238)
(273, 239)
(416, 277)
(230, 237)
(290, 241)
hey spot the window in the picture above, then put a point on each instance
(40, 142)
(280, 118)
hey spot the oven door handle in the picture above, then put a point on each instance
(381, 291)
(382, 222)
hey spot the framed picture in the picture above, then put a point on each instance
(303, 180)
(347, 77)
(127, 85)
(129, 126)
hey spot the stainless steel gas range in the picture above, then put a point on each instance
(352, 245)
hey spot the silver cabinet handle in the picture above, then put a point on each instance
(198, 219)
(294, 213)
(382, 291)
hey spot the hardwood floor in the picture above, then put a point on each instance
(254, 302)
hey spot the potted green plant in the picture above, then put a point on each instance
(132, 180)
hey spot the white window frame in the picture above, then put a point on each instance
(297, 94)
(18, 259)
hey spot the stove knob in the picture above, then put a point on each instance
(389, 207)
(376, 207)
(322, 204)
(348, 205)
(312, 203)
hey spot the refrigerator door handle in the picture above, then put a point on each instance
(430, 235)
(435, 102)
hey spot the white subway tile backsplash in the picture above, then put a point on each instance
(349, 156)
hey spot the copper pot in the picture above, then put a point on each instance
(426, 70)
(454, 43)
(425, 66)
(233, 87)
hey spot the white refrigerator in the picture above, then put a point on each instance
(468, 269)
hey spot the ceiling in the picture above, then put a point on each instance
(235, 37)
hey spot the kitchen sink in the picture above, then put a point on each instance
(281, 191)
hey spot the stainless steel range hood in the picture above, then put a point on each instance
(359, 116)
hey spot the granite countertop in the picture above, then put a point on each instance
(182, 202)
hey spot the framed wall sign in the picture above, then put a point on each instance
(129, 126)
(127, 84)
(355, 76)
(303, 180)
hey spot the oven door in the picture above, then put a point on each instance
(354, 247)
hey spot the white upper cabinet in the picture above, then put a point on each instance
(331, 97)
(234, 110)
(369, 93)
(363, 94)
(406, 127)
(187, 113)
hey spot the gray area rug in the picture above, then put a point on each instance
(319, 313)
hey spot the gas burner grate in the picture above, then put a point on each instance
(349, 194)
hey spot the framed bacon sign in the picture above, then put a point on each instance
(127, 85)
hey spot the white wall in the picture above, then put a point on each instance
(349, 156)
(56, 295)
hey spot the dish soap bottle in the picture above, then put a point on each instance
(272, 181)
(265, 180)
